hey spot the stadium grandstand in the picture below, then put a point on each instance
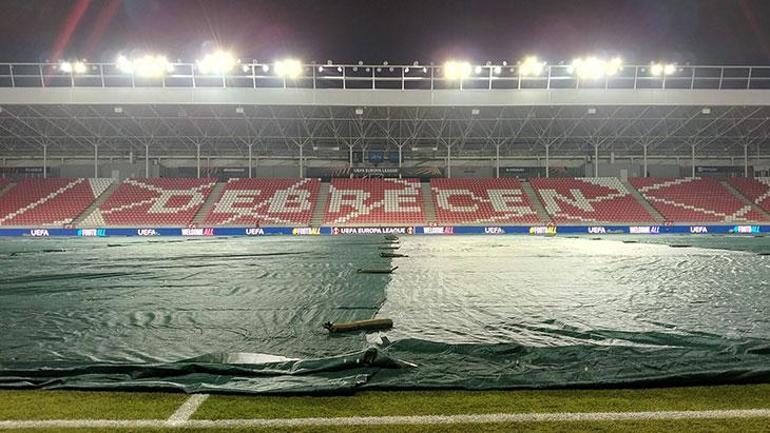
(330, 244)
(433, 145)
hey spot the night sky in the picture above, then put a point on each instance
(694, 31)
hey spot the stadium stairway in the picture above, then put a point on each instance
(320, 206)
(542, 215)
(211, 200)
(645, 204)
(430, 208)
(737, 194)
(78, 222)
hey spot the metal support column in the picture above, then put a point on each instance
(301, 160)
(250, 146)
(96, 160)
(596, 160)
(746, 160)
(497, 160)
(692, 159)
(547, 160)
(198, 158)
(644, 146)
(400, 160)
(45, 161)
(449, 162)
(350, 156)
(146, 160)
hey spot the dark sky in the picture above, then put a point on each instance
(695, 31)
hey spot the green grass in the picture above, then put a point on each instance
(469, 402)
(758, 425)
(40, 405)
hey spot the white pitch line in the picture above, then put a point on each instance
(396, 420)
(187, 409)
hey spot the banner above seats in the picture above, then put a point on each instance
(533, 230)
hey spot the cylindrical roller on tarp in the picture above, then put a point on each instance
(359, 325)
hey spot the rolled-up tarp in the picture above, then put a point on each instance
(359, 325)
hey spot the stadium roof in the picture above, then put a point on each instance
(328, 109)
(329, 130)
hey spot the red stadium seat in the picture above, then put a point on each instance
(755, 189)
(477, 201)
(394, 202)
(589, 200)
(286, 202)
(694, 200)
(158, 202)
(49, 202)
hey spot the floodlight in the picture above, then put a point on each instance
(265, 68)
(289, 68)
(498, 70)
(478, 69)
(320, 69)
(77, 67)
(659, 69)
(125, 65)
(531, 66)
(454, 70)
(217, 63)
(245, 68)
(151, 66)
(593, 68)
(359, 111)
(406, 70)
